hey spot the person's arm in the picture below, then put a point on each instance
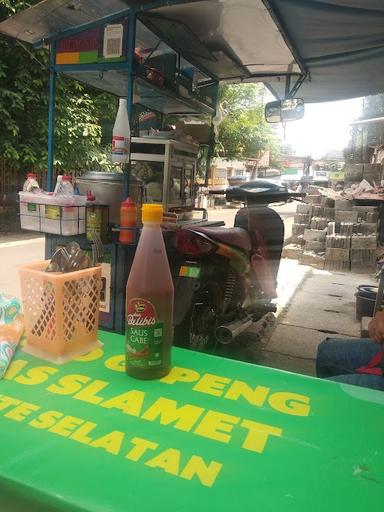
(376, 327)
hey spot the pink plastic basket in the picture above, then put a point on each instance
(61, 311)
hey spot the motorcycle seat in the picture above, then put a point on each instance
(236, 237)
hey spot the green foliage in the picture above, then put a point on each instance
(275, 157)
(82, 113)
(331, 166)
(77, 128)
(21, 103)
(244, 133)
(24, 85)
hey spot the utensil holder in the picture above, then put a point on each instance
(61, 311)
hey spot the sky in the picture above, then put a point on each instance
(325, 126)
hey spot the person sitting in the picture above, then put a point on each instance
(359, 362)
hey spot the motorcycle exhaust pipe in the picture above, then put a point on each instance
(225, 334)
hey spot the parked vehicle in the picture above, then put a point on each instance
(225, 278)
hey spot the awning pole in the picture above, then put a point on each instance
(287, 85)
(211, 142)
(51, 115)
(131, 36)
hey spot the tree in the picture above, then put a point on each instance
(244, 132)
(79, 112)
(24, 76)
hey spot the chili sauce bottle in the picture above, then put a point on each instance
(128, 218)
(149, 302)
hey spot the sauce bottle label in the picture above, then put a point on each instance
(144, 335)
(94, 223)
(120, 145)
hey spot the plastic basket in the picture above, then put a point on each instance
(61, 311)
(60, 215)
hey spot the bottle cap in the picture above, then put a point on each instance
(31, 175)
(152, 213)
(66, 178)
(128, 202)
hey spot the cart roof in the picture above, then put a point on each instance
(337, 44)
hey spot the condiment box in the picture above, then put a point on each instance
(60, 215)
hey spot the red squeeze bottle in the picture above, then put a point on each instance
(128, 217)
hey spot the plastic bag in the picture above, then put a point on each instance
(9, 308)
(10, 335)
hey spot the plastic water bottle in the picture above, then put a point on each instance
(30, 184)
(58, 183)
(149, 302)
(65, 187)
(121, 134)
(64, 214)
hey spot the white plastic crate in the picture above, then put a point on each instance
(60, 215)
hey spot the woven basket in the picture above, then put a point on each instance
(61, 311)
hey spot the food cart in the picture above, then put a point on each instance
(153, 55)
(168, 57)
(121, 55)
(213, 434)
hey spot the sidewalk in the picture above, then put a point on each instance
(322, 306)
(19, 236)
(18, 249)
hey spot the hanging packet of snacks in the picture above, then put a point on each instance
(11, 329)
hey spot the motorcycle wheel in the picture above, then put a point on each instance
(197, 331)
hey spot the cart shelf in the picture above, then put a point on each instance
(151, 95)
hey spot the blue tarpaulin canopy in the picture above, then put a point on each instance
(336, 45)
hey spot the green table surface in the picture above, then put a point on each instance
(215, 434)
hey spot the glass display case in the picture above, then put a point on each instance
(167, 169)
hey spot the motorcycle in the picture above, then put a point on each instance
(225, 278)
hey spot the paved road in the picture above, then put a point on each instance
(286, 211)
(14, 253)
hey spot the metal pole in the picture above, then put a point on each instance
(380, 293)
(51, 115)
(131, 41)
(287, 86)
(211, 142)
(211, 146)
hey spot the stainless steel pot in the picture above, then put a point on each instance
(108, 189)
